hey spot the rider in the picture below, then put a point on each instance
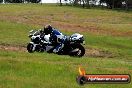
(56, 37)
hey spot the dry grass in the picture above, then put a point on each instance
(70, 19)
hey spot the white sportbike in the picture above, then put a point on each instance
(72, 44)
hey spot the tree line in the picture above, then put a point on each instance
(83, 3)
(104, 3)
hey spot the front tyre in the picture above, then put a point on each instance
(30, 48)
(78, 50)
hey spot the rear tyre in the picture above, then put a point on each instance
(80, 50)
(30, 48)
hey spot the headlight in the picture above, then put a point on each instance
(30, 35)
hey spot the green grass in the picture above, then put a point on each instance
(106, 30)
(21, 69)
(118, 45)
(13, 33)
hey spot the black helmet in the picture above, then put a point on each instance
(47, 29)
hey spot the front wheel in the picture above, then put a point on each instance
(30, 48)
(78, 50)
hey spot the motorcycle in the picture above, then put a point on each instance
(72, 44)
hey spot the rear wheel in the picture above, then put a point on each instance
(78, 50)
(30, 48)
